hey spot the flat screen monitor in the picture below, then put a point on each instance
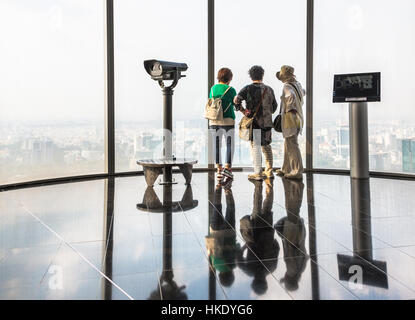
(356, 87)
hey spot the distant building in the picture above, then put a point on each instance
(343, 142)
(43, 151)
(92, 155)
(378, 161)
(138, 142)
(408, 155)
(147, 146)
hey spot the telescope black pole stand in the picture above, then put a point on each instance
(167, 133)
(168, 129)
(153, 168)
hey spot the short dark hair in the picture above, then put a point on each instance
(226, 278)
(225, 75)
(256, 73)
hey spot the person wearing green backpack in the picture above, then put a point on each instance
(224, 126)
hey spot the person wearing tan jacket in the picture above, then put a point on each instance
(292, 122)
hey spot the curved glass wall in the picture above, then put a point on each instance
(270, 34)
(52, 86)
(165, 30)
(365, 36)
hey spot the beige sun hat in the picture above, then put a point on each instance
(285, 72)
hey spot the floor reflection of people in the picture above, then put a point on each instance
(261, 247)
(292, 231)
(221, 241)
(168, 289)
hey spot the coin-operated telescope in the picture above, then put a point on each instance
(165, 70)
(160, 71)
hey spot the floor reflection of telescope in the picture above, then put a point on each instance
(167, 288)
(152, 203)
(362, 265)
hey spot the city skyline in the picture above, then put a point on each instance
(43, 151)
(54, 99)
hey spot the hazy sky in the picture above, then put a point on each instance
(52, 59)
(52, 53)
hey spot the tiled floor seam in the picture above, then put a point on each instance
(50, 263)
(76, 251)
(286, 291)
(327, 235)
(321, 267)
(204, 253)
(390, 246)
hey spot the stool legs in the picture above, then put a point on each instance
(186, 170)
(151, 174)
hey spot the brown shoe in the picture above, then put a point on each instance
(279, 173)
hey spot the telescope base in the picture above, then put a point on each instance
(153, 168)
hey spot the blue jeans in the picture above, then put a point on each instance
(229, 133)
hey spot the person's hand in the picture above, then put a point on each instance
(236, 100)
(247, 112)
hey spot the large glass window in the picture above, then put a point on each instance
(165, 30)
(266, 33)
(52, 86)
(365, 36)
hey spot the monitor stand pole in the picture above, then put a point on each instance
(359, 140)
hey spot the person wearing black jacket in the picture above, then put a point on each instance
(255, 95)
(262, 249)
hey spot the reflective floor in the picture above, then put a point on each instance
(324, 238)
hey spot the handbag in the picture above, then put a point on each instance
(213, 108)
(245, 125)
(277, 123)
(247, 229)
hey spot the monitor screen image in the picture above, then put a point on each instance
(357, 87)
